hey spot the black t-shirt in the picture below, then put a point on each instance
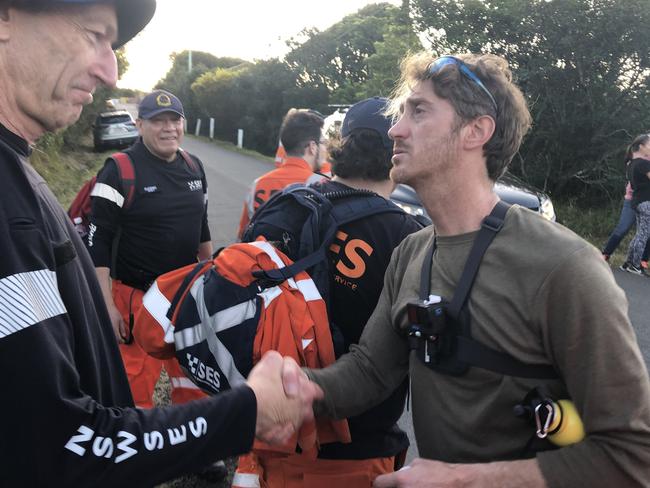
(360, 255)
(638, 176)
(162, 228)
(68, 416)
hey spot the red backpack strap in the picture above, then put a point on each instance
(126, 171)
(190, 161)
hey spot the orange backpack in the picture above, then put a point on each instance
(219, 317)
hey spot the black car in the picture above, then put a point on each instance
(114, 129)
(509, 188)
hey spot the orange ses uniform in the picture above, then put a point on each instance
(293, 170)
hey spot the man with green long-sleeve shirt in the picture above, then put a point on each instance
(542, 299)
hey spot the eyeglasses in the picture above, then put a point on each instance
(443, 61)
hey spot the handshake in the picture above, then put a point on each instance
(284, 397)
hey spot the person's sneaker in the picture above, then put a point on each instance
(623, 267)
(630, 268)
(606, 257)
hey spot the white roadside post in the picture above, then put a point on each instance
(240, 138)
(198, 128)
(211, 128)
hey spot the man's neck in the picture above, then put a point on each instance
(16, 121)
(383, 188)
(458, 203)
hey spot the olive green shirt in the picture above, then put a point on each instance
(544, 296)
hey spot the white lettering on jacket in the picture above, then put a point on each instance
(177, 436)
(202, 372)
(195, 185)
(123, 447)
(153, 440)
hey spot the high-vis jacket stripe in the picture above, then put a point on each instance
(183, 383)
(157, 305)
(27, 299)
(103, 190)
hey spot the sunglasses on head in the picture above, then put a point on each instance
(443, 61)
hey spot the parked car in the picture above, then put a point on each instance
(509, 188)
(114, 129)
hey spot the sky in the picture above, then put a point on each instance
(247, 29)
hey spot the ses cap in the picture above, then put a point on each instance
(132, 15)
(158, 102)
(368, 114)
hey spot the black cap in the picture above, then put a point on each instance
(132, 16)
(157, 102)
(368, 114)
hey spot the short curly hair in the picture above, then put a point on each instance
(362, 155)
(512, 117)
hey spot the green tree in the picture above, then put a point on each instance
(336, 57)
(254, 97)
(384, 64)
(584, 66)
(218, 95)
(179, 79)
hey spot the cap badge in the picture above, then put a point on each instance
(163, 100)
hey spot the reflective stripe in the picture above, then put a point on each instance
(308, 289)
(306, 342)
(102, 190)
(188, 337)
(157, 305)
(219, 352)
(245, 480)
(27, 299)
(250, 200)
(270, 251)
(270, 294)
(183, 383)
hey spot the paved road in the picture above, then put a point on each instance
(230, 174)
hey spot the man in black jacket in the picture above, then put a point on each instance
(68, 415)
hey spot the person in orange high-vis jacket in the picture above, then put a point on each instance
(302, 140)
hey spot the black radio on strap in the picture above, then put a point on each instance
(464, 351)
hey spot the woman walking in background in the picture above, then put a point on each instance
(625, 221)
(639, 176)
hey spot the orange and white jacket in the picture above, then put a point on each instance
(224, 322)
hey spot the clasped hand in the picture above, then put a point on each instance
(284, 397)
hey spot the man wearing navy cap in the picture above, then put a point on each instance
(68, 417)
(163, 227)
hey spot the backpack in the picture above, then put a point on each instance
(303, 221)
(80, 209)
(218, 317)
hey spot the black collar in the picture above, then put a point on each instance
(14, 141)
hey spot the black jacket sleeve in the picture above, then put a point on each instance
(107, 200)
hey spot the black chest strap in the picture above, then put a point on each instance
(468, 350)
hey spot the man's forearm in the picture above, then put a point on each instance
(423, 473)
(104, 278)
(509, 474)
